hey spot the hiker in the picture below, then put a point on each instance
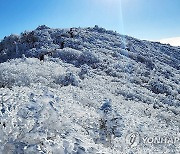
(41, 57)
(62, 44)
(71, 32)
(128, 49)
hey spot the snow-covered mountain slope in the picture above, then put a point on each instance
(90, 91)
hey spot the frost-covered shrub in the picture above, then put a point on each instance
(42, 27)
(9, 41)
(29, 37)
(166, 73)
(76, 57)
(41, 120)
(67, 54)
(19, 123)
(111, 124)
(129, 95)
(89, 58)
(14, 147)
(135, 80)
(74, 44)
(68, 79)
(159, 87)
(138, 58)
(170, 100)
(23, 72)
(144, 60)
(84, 70)
(99, 29)
(9, 48)
(111, 72)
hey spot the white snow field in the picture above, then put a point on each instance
(93, 91)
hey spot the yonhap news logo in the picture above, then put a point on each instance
(135, 139)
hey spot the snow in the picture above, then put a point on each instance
(175, 41)
(88, 95)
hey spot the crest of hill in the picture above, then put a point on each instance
(45, 40)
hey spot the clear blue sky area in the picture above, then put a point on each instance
(144, 19)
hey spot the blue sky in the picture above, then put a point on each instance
(144, 19)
